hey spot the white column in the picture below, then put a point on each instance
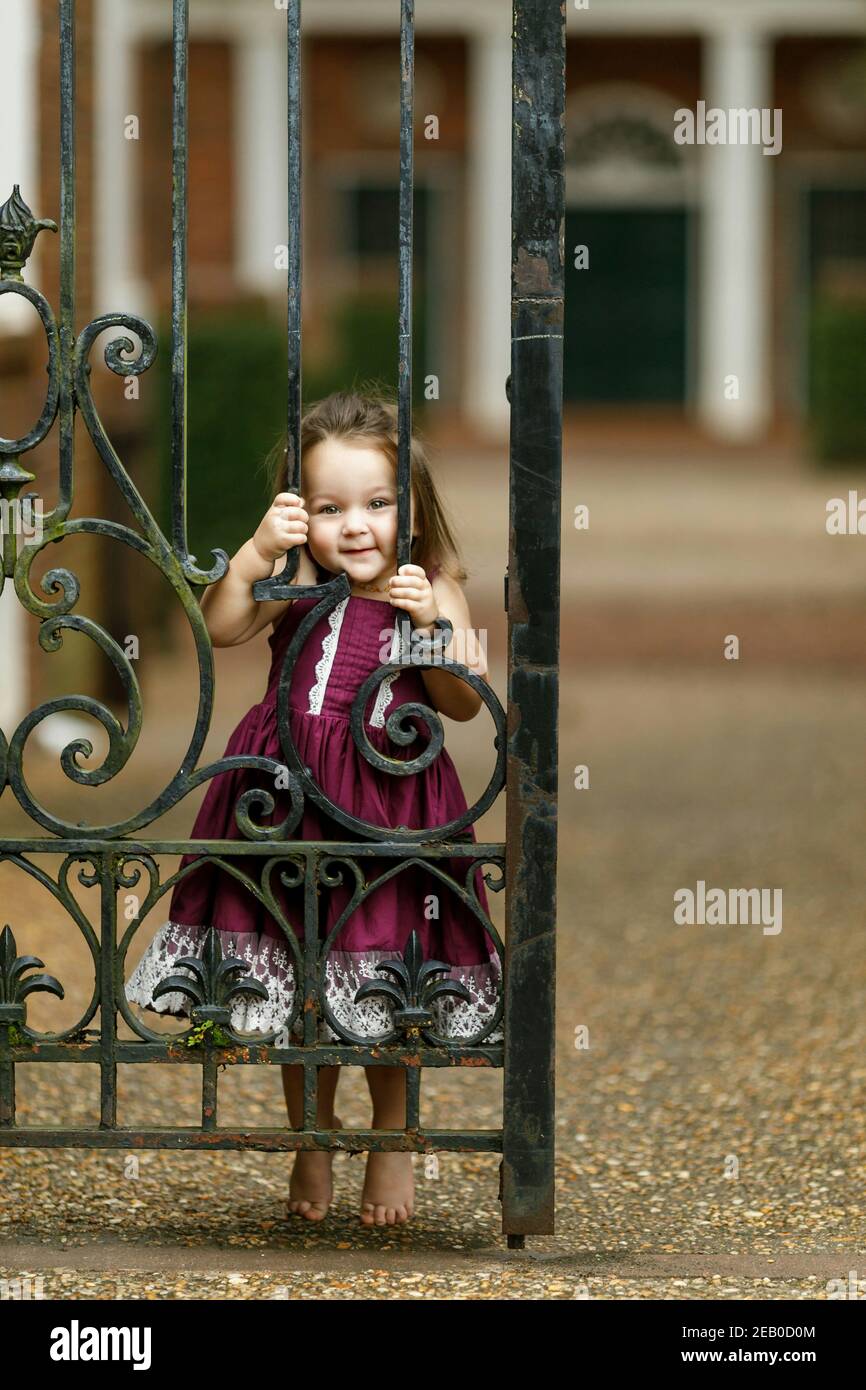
(18, 143)
(736, 283)
(18, 165)
(488, 319)
(261, 159)
(15, 685)
(118, 163)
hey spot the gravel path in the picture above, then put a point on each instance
(711, 1136)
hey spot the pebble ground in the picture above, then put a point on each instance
(710, 1136)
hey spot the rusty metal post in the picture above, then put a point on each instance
(537, 281)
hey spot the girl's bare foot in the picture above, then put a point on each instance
(388, 1198)
(311, 1189)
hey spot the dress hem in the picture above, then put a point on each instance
(271, 962)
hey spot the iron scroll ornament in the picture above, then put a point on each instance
(423, 653)
(60, 890)
(412, 966)
(127, 876)
(173, 562)
(179, 567)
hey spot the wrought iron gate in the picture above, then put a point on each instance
(111, 858)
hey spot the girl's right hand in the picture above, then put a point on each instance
(283, 525)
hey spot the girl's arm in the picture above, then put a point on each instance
(449, 694)
(231, 613)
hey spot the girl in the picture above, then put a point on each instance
(347, 521)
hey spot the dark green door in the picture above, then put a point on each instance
(625, 316)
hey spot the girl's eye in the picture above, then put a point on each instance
(331, 506)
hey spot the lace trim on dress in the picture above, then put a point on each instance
(386, 694)
(326, 661)
(271, 962)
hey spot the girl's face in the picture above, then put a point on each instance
(350, 495)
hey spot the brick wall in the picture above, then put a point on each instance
(211, 175)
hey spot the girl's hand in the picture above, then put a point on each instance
(283, 525)
(410, 588)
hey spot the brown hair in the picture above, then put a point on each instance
(372, 415)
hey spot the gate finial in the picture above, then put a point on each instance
(18, 231)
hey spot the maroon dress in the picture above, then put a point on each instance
(341, 651)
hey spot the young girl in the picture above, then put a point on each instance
(347, 521)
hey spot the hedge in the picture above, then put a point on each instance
(837, 406)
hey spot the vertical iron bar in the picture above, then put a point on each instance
(209, 1088)
(404, 370)
(309, 1012)
(179, 160)
(67, 259)
(295, 261)
(7, 1081)
(537, 292)
(413, 1097)
(107, 1005)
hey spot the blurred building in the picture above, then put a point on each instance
(691, 266)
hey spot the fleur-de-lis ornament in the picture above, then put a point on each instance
(217, 981)
(18, 231)
(14, 985)
(415, 989)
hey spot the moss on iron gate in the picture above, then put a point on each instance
(208, 1030)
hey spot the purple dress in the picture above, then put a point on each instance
(341, 651)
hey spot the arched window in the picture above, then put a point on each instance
(620, 146)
